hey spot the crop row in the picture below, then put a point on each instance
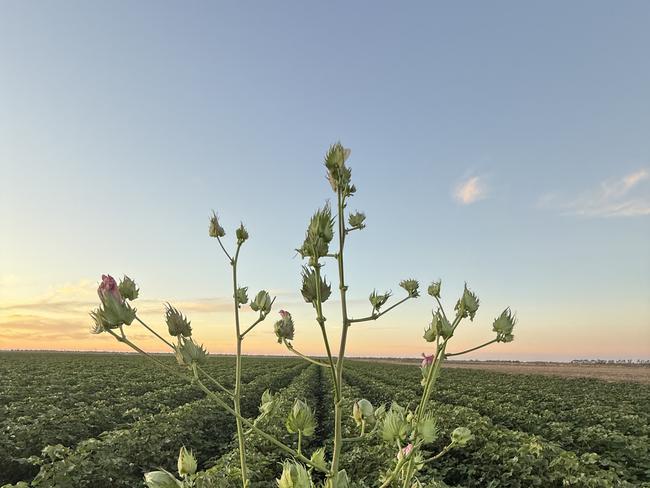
(629, 455)
(498, 456)
(119, 457)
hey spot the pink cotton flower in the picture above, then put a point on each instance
(284, 314)
(427, 360)
(405, 451)
(108, 287)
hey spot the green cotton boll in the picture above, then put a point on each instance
(312, 285)
(340, 480)
(318, 458)
(262, 302)
(363, 411)
(320, 233)
(215, 230)
(337, 174)
(186, 462)
(395, 427)
(377, 300)
(411, 286)
(294, 475)
(442, 325)
(242, 234)
(189, 352)
(301, 419)
(268, 403)
(468, 304)
(128, 289)
(284, 328)
(356, 220)
(503, 326)
(430, 333)
(434, 289)
(177, 323)
(161, 479)
(427, 428)
(241, 296)
(461, 436)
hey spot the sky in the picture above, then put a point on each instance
(503, 144)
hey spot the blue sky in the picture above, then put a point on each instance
(123, 124)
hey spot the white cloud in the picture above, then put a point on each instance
(470, 190)
(622, 197)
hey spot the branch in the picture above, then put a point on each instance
(470, 350)
(209, 376)
(224, 250)
(375, 316)
(305, 357)
(444, 451)
(154, 332)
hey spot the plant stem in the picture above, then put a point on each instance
(321, 322)
(154, 332)
(338, 414)
(237, 393)
(304, 356)
(209, 376)
(445, 450)
(299, 442)
(375, 316)
(470, 350)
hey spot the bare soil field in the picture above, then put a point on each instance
(608, 372)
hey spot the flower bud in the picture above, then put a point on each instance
(318, 458)
(242, 234)
(108, 288)
(301, 419)
(177, 323)
(356, 220)
(294, 475)
(468, 304)
(319, 234)
(434, 289)
(338, 174)
(411, 286)
(461, 436)
(268, 403)
(189, 352)
(340, 480)
(426, 360)
(241, 297)
(262, 302)
(430, 333)
(312, 285)
(377, 300)
(284, 328)
(427, 428)
(186, 462)
(405, 451)
(363, 411)
(442, 325)
(503, 326)
(395, 426)
(161, 479)
(215, 229)
(128, 289)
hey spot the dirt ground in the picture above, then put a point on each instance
(607, 372)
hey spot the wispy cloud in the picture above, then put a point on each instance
(627, 196)
(470, 190)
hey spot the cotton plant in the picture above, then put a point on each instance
(409, 431)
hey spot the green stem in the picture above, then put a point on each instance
(321, 322)
(375, 316)
(446, 449)
(238, 369)
(154, 332)
(209, 376)
(299, 450)
(304, 356)
(338, 397)
(470, 350)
